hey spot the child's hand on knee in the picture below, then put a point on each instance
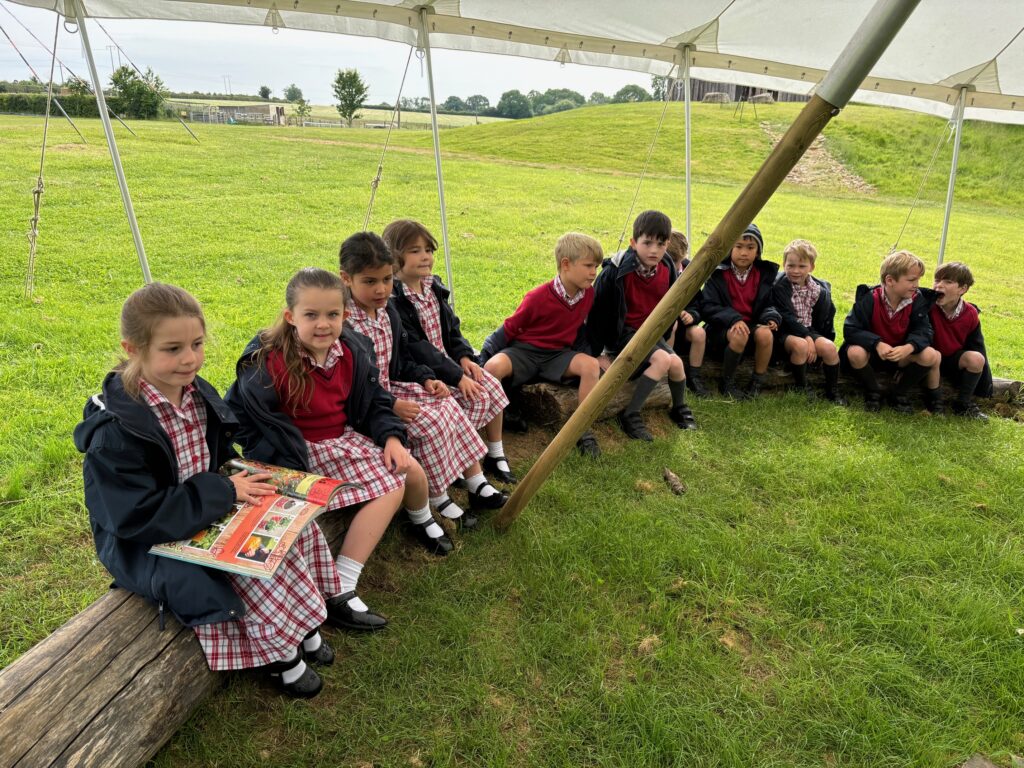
(436, 388)
(812, 350)
(469, 388)
(396, 456)
(406, 410)
(471, 369)
(250, 488)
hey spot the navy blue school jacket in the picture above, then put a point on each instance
(716, 303)
(445, 365)
(857, 326)
(135, 500)
(267, 434)
(823, 313)
(606, 323)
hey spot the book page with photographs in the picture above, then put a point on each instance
(253, 539)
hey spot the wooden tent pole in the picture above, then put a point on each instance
(853, 65)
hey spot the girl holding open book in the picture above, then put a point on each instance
(153, 441)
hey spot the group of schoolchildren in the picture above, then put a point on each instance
(365, 376)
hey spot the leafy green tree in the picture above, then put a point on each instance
(136, 96)
(478, 103)
(559, 106)
(293, 92)
(265, 91)
(630, 93)
(351, 93)
(515, 105)
(597, 98)
(301, 109)
(454, 104)
(552, 96)
(77, 86)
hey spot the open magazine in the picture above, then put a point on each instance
(253, 539)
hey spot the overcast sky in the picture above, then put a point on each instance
(194, 56)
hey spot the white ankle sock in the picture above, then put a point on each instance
(478, 484)
(349, 570)
(423, 517)
(291, 675)
(312, 643)
(453, 511)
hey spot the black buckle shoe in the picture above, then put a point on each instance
(901, 404)
(587, 446)
(730, 390)
(440, 546)
(491, 467)
(697, 386)
(464, 522)
(753, 388)
(969, 410)
(322, 656)
(307, 686)
(633, 425)
(872, 402)
(341, 614)
(682, 417)
(836, 397)
(495, 500)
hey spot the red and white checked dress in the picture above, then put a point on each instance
(350, 456)
(280, 611)
(440, 437)
(492, 400)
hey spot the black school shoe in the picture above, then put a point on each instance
(495, 500)
(440, 546)
(587, 445)
(835, 397)
(729, 389)
(695, 383)
(633, 425)
(682, 417)
(491, 467)
(307, 686)
(901, 404)
(872, 402)
(464, 522)
(322, 656)
(969, 410)
(341, 614)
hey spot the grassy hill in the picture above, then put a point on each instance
(834, 588)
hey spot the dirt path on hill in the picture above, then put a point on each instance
(820, 168)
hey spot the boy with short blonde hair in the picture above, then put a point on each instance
(807, 332)
(957, 337)
(545, 338)
(889, 329)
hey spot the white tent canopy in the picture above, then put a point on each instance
(788, 45)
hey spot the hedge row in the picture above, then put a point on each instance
(74, 105)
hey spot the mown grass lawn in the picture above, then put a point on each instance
(834, 588)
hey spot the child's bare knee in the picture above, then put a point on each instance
(763, 337)
(974, 362)
(858, 356)
(929, 356)
(695, 334)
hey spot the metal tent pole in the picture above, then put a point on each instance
(868, 43)
(960, 105)
(108, 129)
(425, 40)
(686, 102)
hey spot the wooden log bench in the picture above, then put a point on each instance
(552, 404)
(108, 688)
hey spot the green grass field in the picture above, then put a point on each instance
(834, 588)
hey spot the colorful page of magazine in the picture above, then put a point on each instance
(254, 538)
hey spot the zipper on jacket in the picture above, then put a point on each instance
(160, 614)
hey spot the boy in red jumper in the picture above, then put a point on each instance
(888, 329)
(739, 312)
(957, 337)
(543, 339)
(628, 289)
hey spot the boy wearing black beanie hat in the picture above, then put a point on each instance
(739, 313)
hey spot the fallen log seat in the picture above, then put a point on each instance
(108, 688)
(553, 404)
